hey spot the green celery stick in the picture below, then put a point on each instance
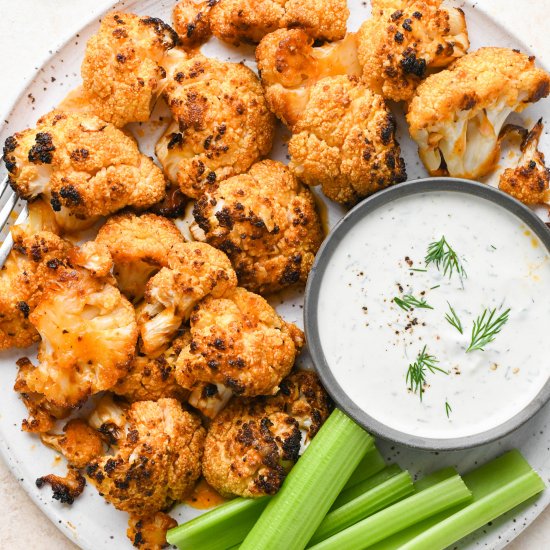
(392, 490)
(295, 512)
(422, 505)
(371, 464)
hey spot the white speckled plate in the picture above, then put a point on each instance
(94, 524)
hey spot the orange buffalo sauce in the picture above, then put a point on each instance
(204, 496)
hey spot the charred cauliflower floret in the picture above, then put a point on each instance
(192, 21)
(30, 266)
(289, 65)
(65, 489)
(149, 532)
(149, 379)
(266, 222)
(345, 141)
(240, 343)
(457, 114)
(88, 337)
(529, 181)
(406, 40)
(156, 463)
(83, 166)
(79, 443)
(140, 246)
(222, 124)
(253, 443)
(194, 270)
(109, 417)
(122, 67)
(237, 21)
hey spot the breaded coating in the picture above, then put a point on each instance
(31, 264)
(65, 489)
(192, 21)
(266, 222)
(149, 532)
(156, 463)
(529, 181)
(89, 333)
(240, 342)
(79, 443)
(140, 246)
(406, 40)
(150, 379)
(194, 270)
(345, 141)
(253, 443)
(237, 21)
(289, 65)
(457, 114)
(222, 124)
(83, 166)
(122, 66)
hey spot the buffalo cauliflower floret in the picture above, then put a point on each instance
(406, 40)
(140, 246)
(89, 333)
(239, 342)
(192, 21)
(222, 124)
(79, 443)
(266, 222)
(122, 66)
(289, 65)
(457, 114)
(237, 21)
(65, 489)
(194, 270)
(529, 181)
(253, 443)
(109, 417)
(345, 141)
(149, 379)
(83, 166)
(156, 463)
(149, 532)
(32, 263)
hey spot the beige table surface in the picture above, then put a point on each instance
(27, 29)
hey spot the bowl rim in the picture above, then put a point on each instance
(313, 285)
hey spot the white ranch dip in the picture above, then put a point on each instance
(369, 342)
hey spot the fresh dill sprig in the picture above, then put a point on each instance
(448, 408)
(409, 302)
(416, 373)
(486, 327)
(441, 254)
(452, 319)
(417, 269)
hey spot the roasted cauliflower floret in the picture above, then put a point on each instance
(32, 263)
(253, 443)
(122, 67)
(239, 342)
(83, 166)
(192, 21)
(406, 40)
(345, 141)
(140, 246)
(529, 181)
(156, 463)
(89, 333)
(194, 270)
(457, 114)
(109, 417)
(149, 379)
(266, 222)
(222, 124)
(149, 532)
(65, 489)
(289, 65)
(237, 21)
(79, 443)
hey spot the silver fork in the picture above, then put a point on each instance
(5, 213)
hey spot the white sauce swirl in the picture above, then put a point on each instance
(369, 342)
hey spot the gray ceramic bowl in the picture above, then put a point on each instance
(312, 294)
